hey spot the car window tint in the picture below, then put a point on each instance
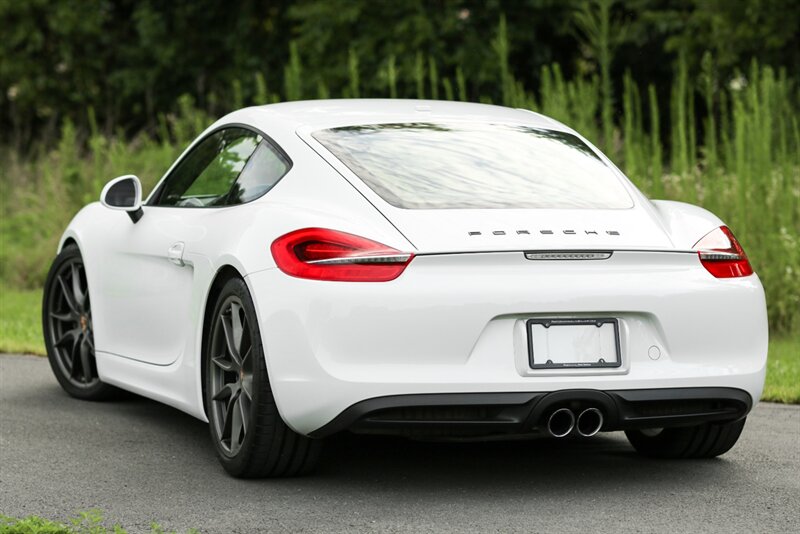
(205, 176)
(263, 170)
(476, 165)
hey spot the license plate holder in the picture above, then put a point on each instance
(573, 343)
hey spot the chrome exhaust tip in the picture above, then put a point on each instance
(561, 422)
(589, 423)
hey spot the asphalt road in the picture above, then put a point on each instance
(139, 461)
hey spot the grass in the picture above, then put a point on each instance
(21, 331)
(783, 371)
(21, 321)
(90, 522)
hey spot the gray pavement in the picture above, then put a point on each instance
(139, 461)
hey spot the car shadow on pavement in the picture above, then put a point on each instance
(600, 463)
(378, 464)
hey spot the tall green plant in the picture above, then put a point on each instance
(601, 35)
(419, 75)
(293, 75)
(461, 84)
(433, 77)
(656, 156)
(354, 76)
(708, 81)
(501, 47)
(391, 76)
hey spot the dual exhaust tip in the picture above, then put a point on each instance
(563, 421)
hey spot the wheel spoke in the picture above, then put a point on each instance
(73, 306)
(74, 355)
(236, 423)
(227, 423)
(244, 410)
(246, 357)
(230, 340)
(63, 317)
(89, 341)
(66, 361)
(76, 285)
(69, 334)
(238, 329)
(226, 392)
(224, 363)
(86, 365)
(247, 387)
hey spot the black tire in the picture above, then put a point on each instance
(703, 441)
(67, 328)
(258, 443)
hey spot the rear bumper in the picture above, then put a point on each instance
(491, 414)
(455, 324)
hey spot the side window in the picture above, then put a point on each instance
(265, 167)
(205, 176)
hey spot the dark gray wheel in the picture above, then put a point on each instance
(67, 327)
(250, 437)
(231, 375)
(703, 441)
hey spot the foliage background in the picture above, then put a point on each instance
(131, 60)
(696, 100)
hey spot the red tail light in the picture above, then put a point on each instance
(322, 254)
(722, 255)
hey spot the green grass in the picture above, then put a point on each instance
(90, 522)
(21, 321)
(783, 371)
(21, 331)
(31, 525)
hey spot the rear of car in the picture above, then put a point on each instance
(539, 291)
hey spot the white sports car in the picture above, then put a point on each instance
(426, 269)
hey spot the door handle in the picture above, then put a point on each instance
(175, 253)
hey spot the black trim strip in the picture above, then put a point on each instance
(520, 413)
(361, 409)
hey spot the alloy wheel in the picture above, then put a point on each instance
(231, 373)
(70, 322)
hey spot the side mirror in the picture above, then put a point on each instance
(124, 193)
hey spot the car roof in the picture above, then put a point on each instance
(321, 114)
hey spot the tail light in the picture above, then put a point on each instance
(322, 254)
(722, 255)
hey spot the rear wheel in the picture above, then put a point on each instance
(67, 327)
(703, 441)
(250, 437)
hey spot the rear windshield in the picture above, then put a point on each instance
(480, 165)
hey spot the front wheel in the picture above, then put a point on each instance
(249, 435)
(67, 327)
(703, 441)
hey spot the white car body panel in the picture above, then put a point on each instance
(452, 322)
(362, 341)
(685, 222)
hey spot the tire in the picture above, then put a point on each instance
(703, 441)
(256, 443)
(67, 328)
